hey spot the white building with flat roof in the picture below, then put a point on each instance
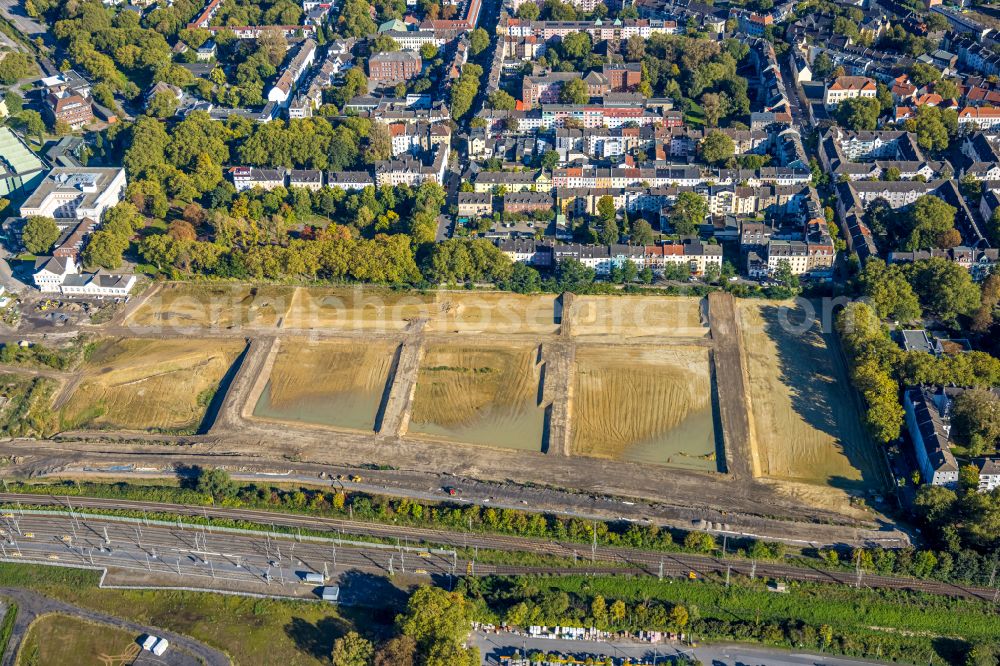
(69, 194)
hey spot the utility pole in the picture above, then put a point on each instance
(593, 547)
(728, 569)
(857, 563)
(725, 540)
(661, 569)
(753, 569)
(107, 540)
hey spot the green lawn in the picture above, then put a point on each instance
(251, 631)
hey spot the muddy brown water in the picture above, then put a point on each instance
(352, 410)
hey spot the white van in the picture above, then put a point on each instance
(161, 647)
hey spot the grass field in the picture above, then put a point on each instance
(62, 640)
(337, 383)
(638, 317)
(252, 631)
(144, 384)
(805, 427)
(213, 306)
(644, 405)
(26, 405)
(480, 395)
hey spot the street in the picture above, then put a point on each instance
(493, 646)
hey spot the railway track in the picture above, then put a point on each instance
(627, 560)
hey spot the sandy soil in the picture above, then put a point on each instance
(805, 426)
(331, 383)
(483, 395)
(638, 317)
(213, 306)
(476, 312)
(145, 384)
(625, 397)
(352, 308)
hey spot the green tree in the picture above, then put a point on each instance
(574, 276)
(976, 421)
(689, 211)
(399, 651)
(479, 39)
(858, 113)
(213, 482)
(930, 222)
(501, 100)
(642, 232)
(39, 234)
(16, 65)
(428, 51)
(383, 44)
(944, 288)
(931, 129)
(574, 91)
(434, 618)
(32, 123)
(550, 160)
(355, 19)
(717, 148)
(523, 280)
(352, 650)
(162, 105)
(529, 11)
(105, 249)
(576, 46)
(888, 291)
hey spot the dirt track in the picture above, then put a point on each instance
(730, 382)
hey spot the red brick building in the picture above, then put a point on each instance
(393, 67)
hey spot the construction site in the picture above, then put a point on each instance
(703, 404)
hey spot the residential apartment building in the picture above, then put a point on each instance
(848, 87)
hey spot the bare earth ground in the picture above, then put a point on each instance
(332, 382)
(805, 425)
(479, 394)
(653, 325)
(139, 384)
(61, 640)
(222, 306)
(647, 318)
(625, 396)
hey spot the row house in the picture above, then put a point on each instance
(980, 262)
(417, 137)
(545, 89)
(973, 118)
(840, 145)
(928, 421)
(848, 87)
(300, 62)
(410, 170)
(527, 202)
(248, 178)
(475, 204)
(310, 179)
(255, 31)
(512, 181)
(598, 29)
